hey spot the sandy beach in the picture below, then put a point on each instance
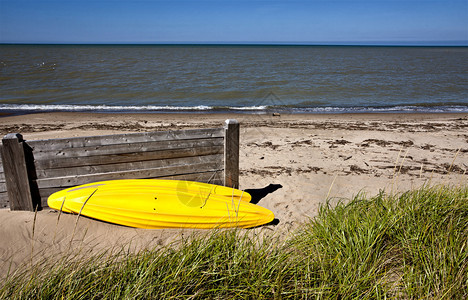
(303, 159)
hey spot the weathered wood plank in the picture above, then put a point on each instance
(4, 200)
(16, 173)
(1, 163)
(3, 187)
(126, 148)
(197, 155)
(231, 154)
(55, 163)
(120, 167)
(130, 174)
(128, 138)
(210, 177)
(2, 174)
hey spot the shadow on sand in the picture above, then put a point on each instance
(259, 194)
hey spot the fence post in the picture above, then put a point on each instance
(16, 173)
(231, 153)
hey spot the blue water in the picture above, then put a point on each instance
(214, 78)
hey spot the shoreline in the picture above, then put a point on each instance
(306, 160)
(218, 115)
(214, 112)
(69, 124)
(6, 113)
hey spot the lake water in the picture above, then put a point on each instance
(219, 78)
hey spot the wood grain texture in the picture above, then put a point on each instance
(56, 163)
(4, 200)
(231, 154)
(42, 154)
(127, 166)
(128, 138)
(16, 173)
(129, 174)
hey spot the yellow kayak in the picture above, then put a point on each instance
(152, 203)
(55, 200)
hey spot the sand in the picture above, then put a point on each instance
(300, 160)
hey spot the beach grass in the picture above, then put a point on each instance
(405, 246)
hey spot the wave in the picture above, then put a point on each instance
(27, 108)
(389, 109)
(97, 108)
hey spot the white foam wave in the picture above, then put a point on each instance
(64, 107)
(393, 109)
(251, 109)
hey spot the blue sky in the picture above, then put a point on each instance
(219, 21)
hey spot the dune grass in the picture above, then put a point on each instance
(412, 245)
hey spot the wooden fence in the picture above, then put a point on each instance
(32, 170)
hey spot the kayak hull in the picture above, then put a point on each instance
(152, 204)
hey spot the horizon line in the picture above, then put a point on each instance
(455, 43)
